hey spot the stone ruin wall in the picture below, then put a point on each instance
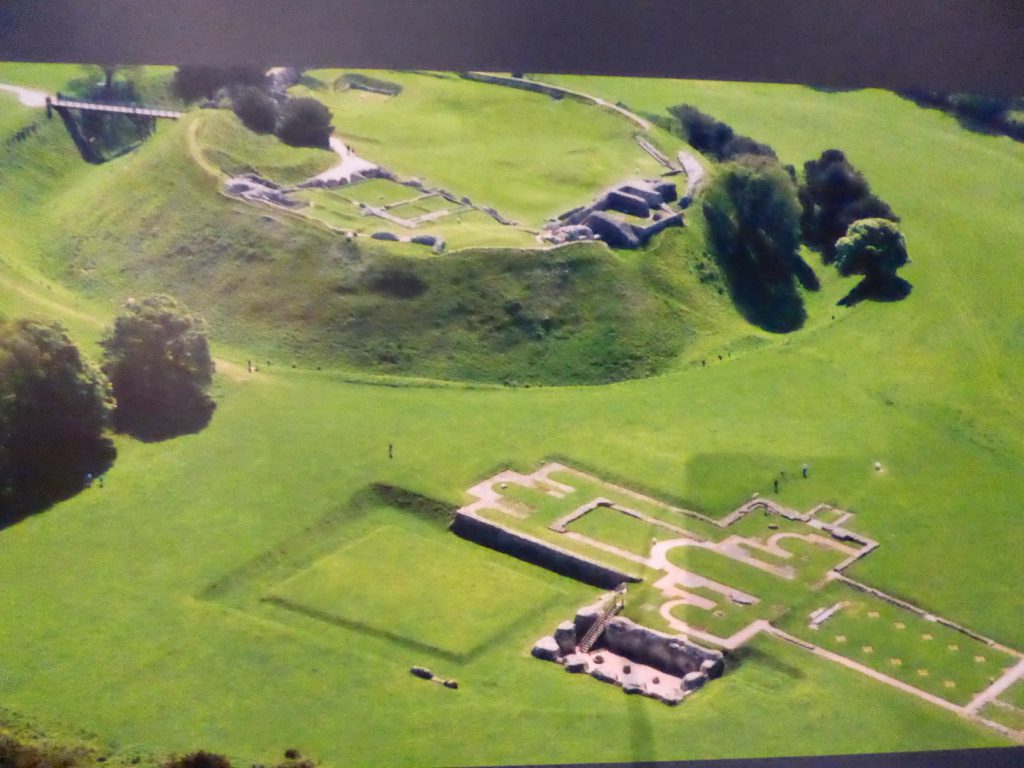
(537, 552)
(688, 665)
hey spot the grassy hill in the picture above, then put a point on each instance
(169, 644)
(275, 287)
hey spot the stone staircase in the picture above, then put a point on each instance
(598, 627)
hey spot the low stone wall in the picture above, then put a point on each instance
(638, 659)
(514, 82)
(646, 233)
(540, 553)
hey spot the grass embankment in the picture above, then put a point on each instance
(280, 289)
(290, 292)
(926, 386)
(237, 150)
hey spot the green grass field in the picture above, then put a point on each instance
(109, 626)
(420, 591)
(1015, 695)
(439, 125)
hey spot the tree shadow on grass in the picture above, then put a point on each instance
(54, 476)
(892, 289)
(764, 291)
(154, 422)
(772, 306)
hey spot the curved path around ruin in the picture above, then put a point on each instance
(351, 165)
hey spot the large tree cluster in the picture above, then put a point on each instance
(300, 122)
(195, 82)
(759, 212)
(753, 217)
(834, 195)
(54, 407)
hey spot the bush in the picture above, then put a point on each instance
(198, 759)
(701, 130)
(305, 122)
(54, 407)
(256, 109)
(158, 361)
(982, 109)
(713, 137)
(874, 248)
(1013, 124)
(744, 145)
(976, 112)
(14, 754)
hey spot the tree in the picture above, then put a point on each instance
(833, 196)
(54, 407)
(256, 109)
(193, 82)
(874, 248)
(703, 132)
(158, 361)
(753, 219)
(305, 122)
(713, 137)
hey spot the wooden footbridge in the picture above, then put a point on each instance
(59, 103)
(143, 116)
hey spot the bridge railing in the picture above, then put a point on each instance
(102, 106)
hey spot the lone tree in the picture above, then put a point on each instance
(305, 122)
(54, 406)
(754, 225)
(874, 248)
(158, 361)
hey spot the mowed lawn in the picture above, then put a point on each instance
(425, 589)
(104, 628)
(136, 654)
(528, 155)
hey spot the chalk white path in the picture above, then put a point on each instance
(350, 167)
(1012, 675)
(30, 97)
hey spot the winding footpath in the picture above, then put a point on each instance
(30, 97)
